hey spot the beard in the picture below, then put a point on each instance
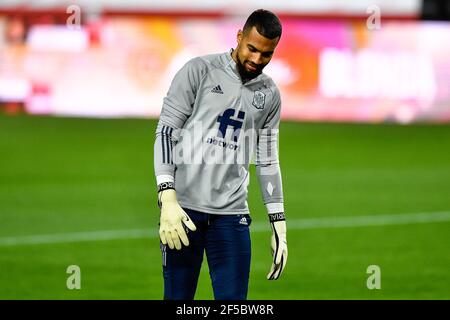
(245, 74)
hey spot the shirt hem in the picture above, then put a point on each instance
(213, 211)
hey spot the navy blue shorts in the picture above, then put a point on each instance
(226, 241)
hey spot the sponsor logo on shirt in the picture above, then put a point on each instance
(229, 120)
(226, 121)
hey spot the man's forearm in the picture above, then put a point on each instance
(270, 182)
(163, 156)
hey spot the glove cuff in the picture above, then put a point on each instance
(169, 196)
(274, 217)
(165, 186)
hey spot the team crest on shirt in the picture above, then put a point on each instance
(259, 98)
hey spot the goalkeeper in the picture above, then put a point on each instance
(221, 110)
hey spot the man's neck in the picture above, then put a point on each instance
(234, 55)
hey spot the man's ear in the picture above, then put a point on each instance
(239, 36)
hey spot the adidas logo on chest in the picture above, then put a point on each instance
(217, 89)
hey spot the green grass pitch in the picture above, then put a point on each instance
(69, 175)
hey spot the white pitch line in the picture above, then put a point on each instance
(316, 223)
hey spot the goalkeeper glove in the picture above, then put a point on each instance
(279, 245)
(174, 222)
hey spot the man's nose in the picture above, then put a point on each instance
(256, 59)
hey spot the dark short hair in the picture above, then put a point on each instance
(267, 24)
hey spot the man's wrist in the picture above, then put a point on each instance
(164, 178)
(274, 207)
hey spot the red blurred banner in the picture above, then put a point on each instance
(327, 70)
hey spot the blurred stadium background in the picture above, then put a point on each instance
(365, 144)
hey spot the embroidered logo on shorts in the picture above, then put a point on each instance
(243, 221)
